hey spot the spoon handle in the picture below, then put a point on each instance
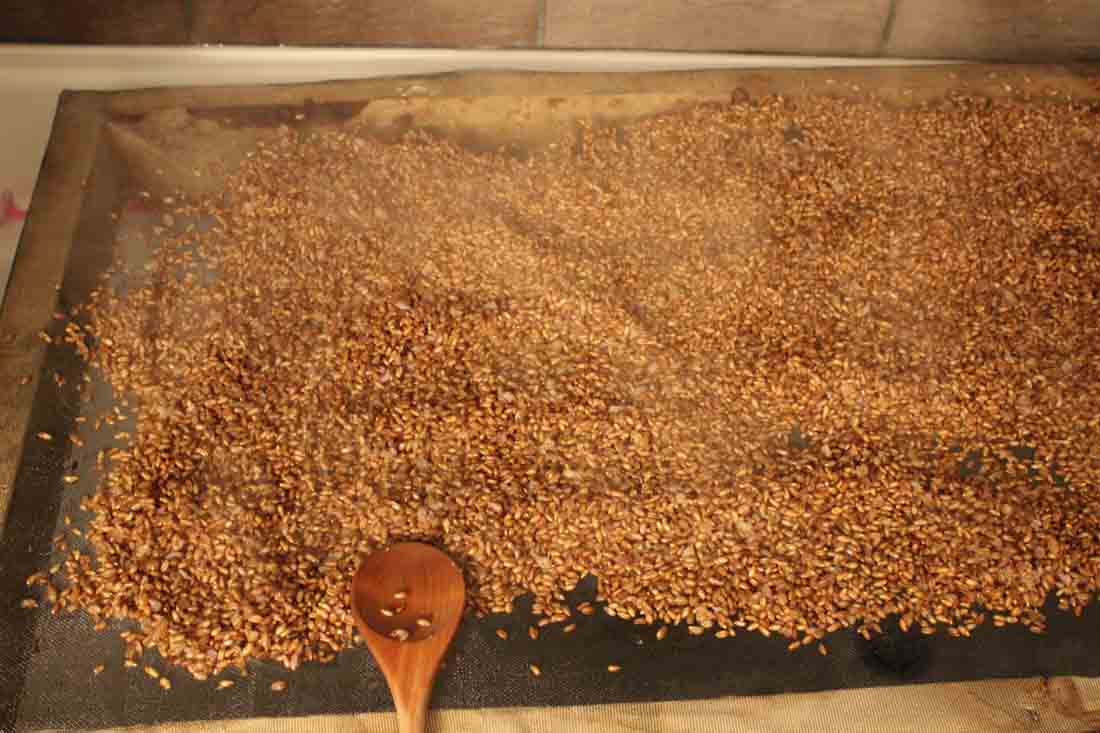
(413, 718)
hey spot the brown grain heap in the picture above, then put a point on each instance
(729, 361)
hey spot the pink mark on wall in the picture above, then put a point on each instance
(9, 210)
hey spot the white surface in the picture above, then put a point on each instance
(32, 76)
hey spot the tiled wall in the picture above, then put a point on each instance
(981, 29)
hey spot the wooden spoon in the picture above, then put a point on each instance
(407, 602)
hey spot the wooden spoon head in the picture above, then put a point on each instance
(414, 588)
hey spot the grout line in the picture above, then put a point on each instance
(887, 27)
(540, 23)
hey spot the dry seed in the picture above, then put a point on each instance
(569, 628)
(44, 436)
(152, 672)
(71, 478)
(223, 684)
(400, 634)
(165, 683)
(386, 611)
(503, 634)
(400, 595)
(423, 622)
(278, 686)
(695, 630)
(536, 670)
(129, 663)
(533, 632)
(662, 633)
(613, 668)
(29, 603)
(97, 670)
(859, 306)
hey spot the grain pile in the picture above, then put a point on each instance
(729, 361)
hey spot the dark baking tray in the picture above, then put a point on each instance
(89, 198)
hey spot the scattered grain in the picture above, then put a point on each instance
(728, 361)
